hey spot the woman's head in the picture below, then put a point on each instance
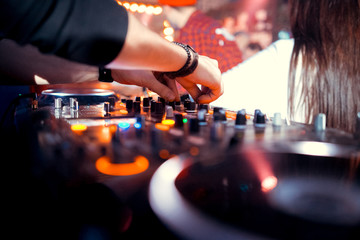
(327, 40)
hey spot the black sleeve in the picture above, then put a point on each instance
(86, 31)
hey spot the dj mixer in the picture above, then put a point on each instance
(89, 164)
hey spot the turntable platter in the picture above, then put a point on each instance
(253, 194)
(78, 92)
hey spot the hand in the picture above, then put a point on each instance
(166, 88)
(208, 75)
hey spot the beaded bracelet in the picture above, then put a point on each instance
(187, 69)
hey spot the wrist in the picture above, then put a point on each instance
(190, 64)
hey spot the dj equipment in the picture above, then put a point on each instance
(88, 164)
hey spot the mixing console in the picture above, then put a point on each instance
(96, 164)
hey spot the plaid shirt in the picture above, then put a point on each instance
(200, 33)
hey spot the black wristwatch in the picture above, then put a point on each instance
(105, 75)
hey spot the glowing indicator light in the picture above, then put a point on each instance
(105, 166)
(168, 122)
(78, 127)
(185, 120)
(124, 125)
(269, 183)
(230, 115)
(137, 125)
(112, 128)
(122, 111)
(162, 127)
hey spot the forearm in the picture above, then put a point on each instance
(144, 49)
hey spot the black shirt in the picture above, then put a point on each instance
(86, 31)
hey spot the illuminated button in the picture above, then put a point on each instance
(124, 125)
(168, 122)
(78, 127)
(123, 111)
(105, 166)
(162, 127)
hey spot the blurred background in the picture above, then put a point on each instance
(255, 22)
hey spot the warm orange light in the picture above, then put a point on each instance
(126, 5)
(166, 23)
(142, 8)
(123, 111)
(149, 9)
(168, 31)
(133, 7)
(231, 115)
(113, 128)
(269, 183)
(168, 122)
(157, 10)
(105, 166)
(162, 127)
(169, 38)
(78, 127)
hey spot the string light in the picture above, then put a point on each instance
(141, 8)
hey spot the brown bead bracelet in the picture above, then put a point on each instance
(188, 68)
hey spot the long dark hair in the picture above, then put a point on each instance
(327, 40)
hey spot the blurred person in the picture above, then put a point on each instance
(251, 49)
(315, 72)
(75, 30)
(205, 34)
(242, 40)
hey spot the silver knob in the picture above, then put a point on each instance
(320, 122)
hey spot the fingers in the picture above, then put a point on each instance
(209, 76)
(208, 95)
(171, 83)
(192, 88)
(168, 93)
